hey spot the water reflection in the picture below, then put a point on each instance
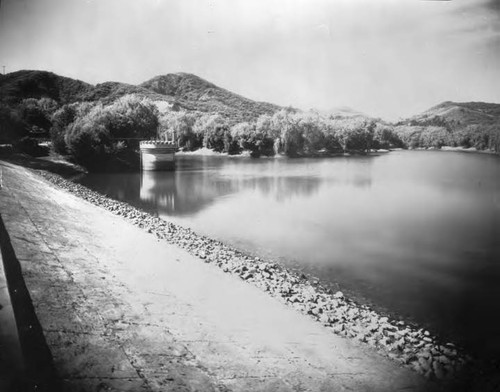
(186, 193)
(177, 193)
(119, 186)
(198, 182)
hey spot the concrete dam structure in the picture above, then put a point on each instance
(157, 155)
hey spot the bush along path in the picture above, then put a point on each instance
(410, 346)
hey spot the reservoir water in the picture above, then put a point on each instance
(416, 234)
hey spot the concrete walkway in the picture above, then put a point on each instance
(123, 311)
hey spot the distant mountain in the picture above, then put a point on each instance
(186, 91)
(194, 93)
(343, 111)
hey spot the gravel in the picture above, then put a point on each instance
(410, 346)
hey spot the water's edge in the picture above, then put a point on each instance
(409, 345)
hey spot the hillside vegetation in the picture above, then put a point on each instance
(455, 124)
(194, 93)
(92, 124)
(182, 90)
(20, 85)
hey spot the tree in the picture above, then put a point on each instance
(385, 137)
(215, 132)
(331, 139)
(89, 142)
(36, 118)
(48, 105)
(355, 134)
(313, 137)
(249, 137)
(12, 126)
(241, 135)
(103, 131)
(61, 119)
(178, 126)
(131, 117)
(290, 137)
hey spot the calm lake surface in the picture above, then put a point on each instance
(414, 233)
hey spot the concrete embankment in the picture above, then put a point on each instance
(11, 358)
(25, 360)
(122, 306)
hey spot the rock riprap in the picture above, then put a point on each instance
(411, 346)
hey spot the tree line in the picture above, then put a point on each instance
(91, 132)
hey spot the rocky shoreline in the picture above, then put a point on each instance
(410, 346)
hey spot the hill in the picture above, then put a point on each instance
(458, 124)
(186, 91)
(194, 93)
(343, 112)
(108, 92)
(461, 114)
(19, 85)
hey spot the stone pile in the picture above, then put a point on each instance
(411, 346)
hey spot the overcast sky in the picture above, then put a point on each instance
(387, 58)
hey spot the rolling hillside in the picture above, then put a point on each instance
(457, 124)
(19, 85)
(460, 114)
(187, 91)
(194, 93)
(108, 92)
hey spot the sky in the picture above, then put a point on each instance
(386, 58)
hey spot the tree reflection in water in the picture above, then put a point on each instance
(191, 188)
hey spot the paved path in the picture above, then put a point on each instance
(123, 311)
